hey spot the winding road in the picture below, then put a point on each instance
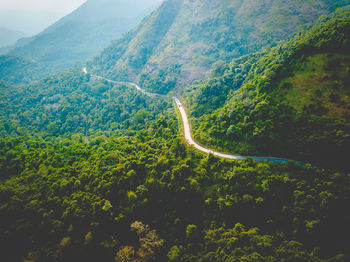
(187, 128)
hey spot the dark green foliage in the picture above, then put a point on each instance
(162, 82)
(14, 69)
(226, 79)
(289, 101)
(238, 244)
(66, 200)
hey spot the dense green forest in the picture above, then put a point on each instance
(16, 70)
(73, 102)
(77, 198)
(291, 100)
(93, 170)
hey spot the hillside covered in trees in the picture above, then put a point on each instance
(180, 41)
(73, 102)
(94, 170)
(77, 198)
(291, 100)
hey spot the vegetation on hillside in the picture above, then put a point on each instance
(291, 101)
(16, 70)
(192, 35)
(94, 171)
(73, 102)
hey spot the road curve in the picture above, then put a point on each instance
(187, 129)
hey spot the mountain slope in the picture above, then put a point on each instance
(9, 37)
(83, 33)
(195, 34)
(16, 70)
(291, 101)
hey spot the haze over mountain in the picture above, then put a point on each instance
(189, 36)
(83, 33)
(9, 37)
(29, 22)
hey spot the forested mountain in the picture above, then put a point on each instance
(95, 170)
(180, 41)
(292, 100)
(82, 34)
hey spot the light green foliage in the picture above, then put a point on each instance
(107, 206)
(74, 103)
(191, 231)
(174, 253)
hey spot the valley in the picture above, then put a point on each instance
(187, 128)
(178, 131)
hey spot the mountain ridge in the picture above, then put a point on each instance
(82, 33)
(202, 33)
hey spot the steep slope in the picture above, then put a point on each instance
(291, 101)
(181, 40)
(83, 33)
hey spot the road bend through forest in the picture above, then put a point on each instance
(187, 127)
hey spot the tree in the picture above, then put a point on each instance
(149, 242)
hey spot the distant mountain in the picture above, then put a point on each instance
(181, 40)
(28, 22)
(9, 37)
(83, 33)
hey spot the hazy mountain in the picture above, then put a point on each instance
(83, 33)
(9, 37)
(4, 50)
(28, 22)
(181, 40)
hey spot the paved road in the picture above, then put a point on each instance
(187, 129)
